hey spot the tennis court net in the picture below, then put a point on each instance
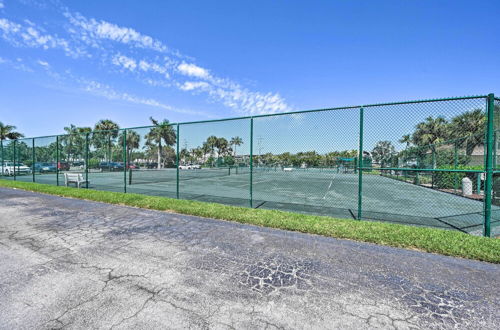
(144, 176)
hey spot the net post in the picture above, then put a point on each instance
(33, 159)
(87, 160)
(488, 166)
(125, 161)
(177, 156)
(251, 163)
(57, 160)
(14, 159)
(360, 165)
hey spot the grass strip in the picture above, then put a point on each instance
(446, 242)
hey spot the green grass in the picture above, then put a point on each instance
(432, 240)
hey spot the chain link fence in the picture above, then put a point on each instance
(427, 163)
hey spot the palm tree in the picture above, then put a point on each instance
(383, 152)
(7, 132)
(430, 132)
(69, 139)
(212, 143)
(197, 153)
(236, 142)
(104, 131)
(222, 146)
(162, 131)
(132, 142)
(469, 129)
(205, 148)
(406, 139)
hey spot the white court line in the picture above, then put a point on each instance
(328, 189)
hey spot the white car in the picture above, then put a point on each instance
(20, 168)
(185, 167)
(196, 166)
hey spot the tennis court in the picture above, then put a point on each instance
(402, 162)
(313, 191)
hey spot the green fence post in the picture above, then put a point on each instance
(87, 160)
(489, 166)
(14, 160)
(455, 165)
(57, 160)
(360, 165)
(251, 162)
(33, 159)
(478, 183)
(1, 148)
(125, 163)
(177, 159)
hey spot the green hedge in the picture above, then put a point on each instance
(450, 180)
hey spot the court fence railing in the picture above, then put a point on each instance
(161, 153)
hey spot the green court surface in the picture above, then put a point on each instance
(313, 191)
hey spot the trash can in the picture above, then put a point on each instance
(466, 186)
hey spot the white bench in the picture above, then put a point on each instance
(76, 178)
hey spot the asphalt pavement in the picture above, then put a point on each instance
(67, 263)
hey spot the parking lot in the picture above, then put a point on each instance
(77, 264)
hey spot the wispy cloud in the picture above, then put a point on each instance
(148, 59)
(43, 63)
(28, 35)
(193, 70)
(108, 92)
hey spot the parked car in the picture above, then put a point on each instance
(63, 166)
(132, 166)
(111, 166)
(185, 167)
(45, 167)
(19, 168)
(151, 165)
(196, 166)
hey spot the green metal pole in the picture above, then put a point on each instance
(1, 148)
(57, 160)
(489, 166)
(455, 164)
(251, 162)
(14, 161)
(87, 160)
(494, 150)
(360, 165)
(125, 164)
(33, 159)
(177, 158)
(478, 183)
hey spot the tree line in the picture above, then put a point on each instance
(466, 130)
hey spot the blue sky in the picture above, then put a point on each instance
(76, 62)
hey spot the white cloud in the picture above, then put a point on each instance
(153, 67)
(124, 61)
(193, 70)
(151, 61)
(192, 85)
(1, 4)
(43, 63)
(94, 30)
(29, 36)
(106, 91)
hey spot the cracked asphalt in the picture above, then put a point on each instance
(76, 264)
